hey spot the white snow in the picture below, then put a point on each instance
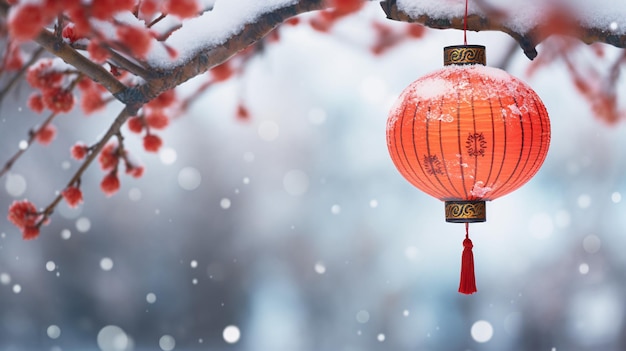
(66, 234)
(5, 278)
(151, 298)
(212, 28)
(482, 331)
(112, 338)
(434, 87)
(167, 343)
(83, 224)
(189, 178)
(225, 203)
(106, 264)
(524, 15)
(228, 17)
(480, 190)
(231, 334)
(319, 267)
(53, 331)
(454, 80)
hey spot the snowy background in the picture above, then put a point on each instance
(294, 231)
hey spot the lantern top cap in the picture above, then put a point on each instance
(464, 55)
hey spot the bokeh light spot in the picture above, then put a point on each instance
(231, 334)
(482, 331)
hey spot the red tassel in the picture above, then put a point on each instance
(468, 280)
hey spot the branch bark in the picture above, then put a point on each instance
(498, 22)
(93, 70)
(32, 134)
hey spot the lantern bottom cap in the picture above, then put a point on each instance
(466, 211)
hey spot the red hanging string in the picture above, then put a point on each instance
(467, 285)
(465, 24)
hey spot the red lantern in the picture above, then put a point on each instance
(466, 134)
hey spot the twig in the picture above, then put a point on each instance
(93, 70)
(121, 61)
(157, 20)
(19, 74)
(127, 112)
(130, 66)
(31, 137)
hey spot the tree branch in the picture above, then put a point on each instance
(32, 134)
(113, 130)
(498, 22)
(57, 47)
(20, 74)
(119, 60)
(92, 70)
(216, 54)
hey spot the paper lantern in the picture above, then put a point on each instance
(467, 134)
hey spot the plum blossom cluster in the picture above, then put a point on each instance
(54, 92)
(106, 35)
(24, 215)
(53, 82)
(110, 158)
(27, 18)
(117, 35)
(154, 116)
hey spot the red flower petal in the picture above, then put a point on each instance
(30, 232)
(58, 100)
(73, 196)
(157, 119)
(26, 21)
(183, 8)
(23, 214)
(46, 134)
(110, 184)
(136, 39)
(152, 143)
(135, 124)
(79, 151)
(108, 157)
(35, 103)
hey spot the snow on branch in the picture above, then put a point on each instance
(216, 52)
(529, 24)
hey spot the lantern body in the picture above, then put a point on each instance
(468, 133)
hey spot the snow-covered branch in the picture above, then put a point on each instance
(216, 52)
(528, 25)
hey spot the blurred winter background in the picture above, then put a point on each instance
(293, 230)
